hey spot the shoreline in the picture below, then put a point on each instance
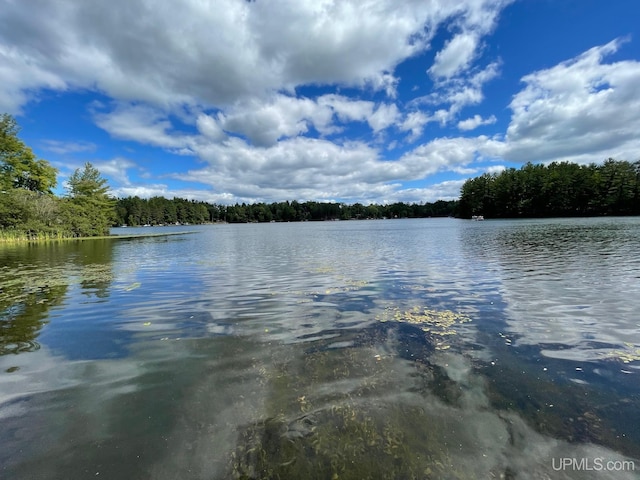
(24, 240)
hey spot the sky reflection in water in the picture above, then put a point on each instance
(258, 350)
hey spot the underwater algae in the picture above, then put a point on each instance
(630, 353)
(336, 415)
(359, 412)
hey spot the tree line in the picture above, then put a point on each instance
(135, 211)
(28, 207)
(560, 189)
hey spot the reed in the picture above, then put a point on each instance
(13, 236)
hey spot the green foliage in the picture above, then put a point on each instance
(30, 213)
(89, 210)
(87, 183)
(19, 167)
(135, 211)
(560, 189)
(161, 211)
(28, 209)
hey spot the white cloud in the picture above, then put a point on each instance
(65, 147)
(303, 168)
(582, 110)
(495, 169)
(264, 123)
(414, 123)
(477, 19)
(456, 56)
(346, 109)
(476, 121)
(231, 70)
(448, 153)
(384, 116)
(210, 127)
(20, 77)
(163, 190)
(116, 169)
(140, 123)
(214, 53)
(458, 93)
(448, 190)
(289, 166)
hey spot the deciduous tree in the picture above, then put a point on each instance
(19, 167)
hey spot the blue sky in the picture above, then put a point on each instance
(352, 100)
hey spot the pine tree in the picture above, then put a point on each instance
(91, 210)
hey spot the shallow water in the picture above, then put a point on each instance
(433, 348)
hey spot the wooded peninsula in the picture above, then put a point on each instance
(30, 210)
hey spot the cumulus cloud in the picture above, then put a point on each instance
(116, 168)
(229, 73)
(305, 168)
(140, 123)
(346, 109)
(414, 123)
(210, 126)
(210, 53)
(449, 153)
(448, 190)
(476, 121)
(495, 169)
(264, 123)
(581, 110)
(384, 116)
(149, 190)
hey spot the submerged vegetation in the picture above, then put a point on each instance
(360, 429)
(435, 322)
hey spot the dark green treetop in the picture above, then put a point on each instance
(90, 208)
(87, 183)
(19, 167)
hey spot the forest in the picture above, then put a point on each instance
(560, 189)
(135, 211)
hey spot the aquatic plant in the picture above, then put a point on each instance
(344, 441)
(13, 236)
(359, 429)
(18, 285)
(436, 322)
(629, 354)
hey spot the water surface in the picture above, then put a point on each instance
(433, 348)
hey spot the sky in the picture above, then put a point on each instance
(370, 101)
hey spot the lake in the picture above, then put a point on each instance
(430, 349)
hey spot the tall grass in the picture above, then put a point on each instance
(11, 236)
(14, 236)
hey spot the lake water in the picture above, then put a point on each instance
(430, 349)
